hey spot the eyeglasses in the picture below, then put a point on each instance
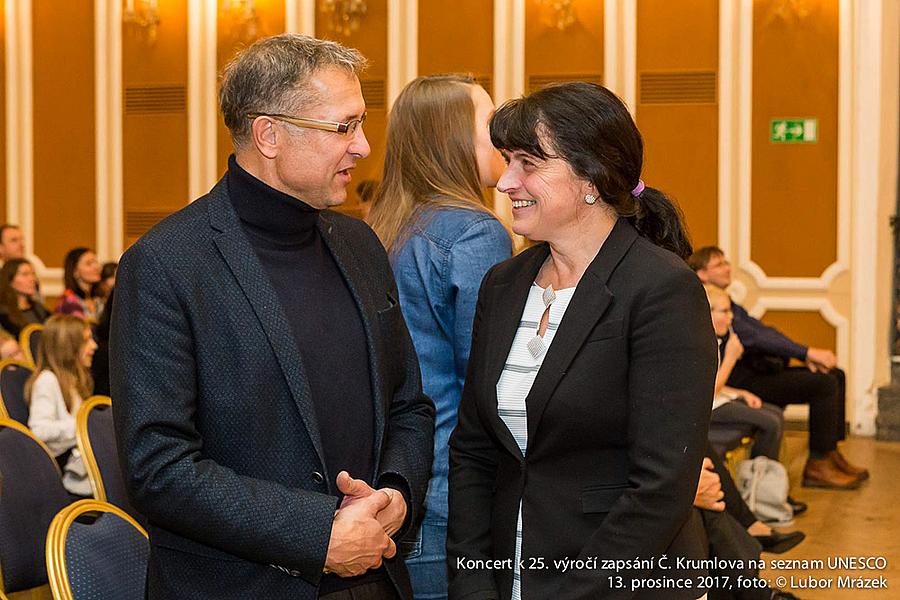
(348, 128)
(724, 311)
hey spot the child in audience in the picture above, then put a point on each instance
(81, 275)
(733, 408)
(9, 347)
(60, 382)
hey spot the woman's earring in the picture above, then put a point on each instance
(590, 199)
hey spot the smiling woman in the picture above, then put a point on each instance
(583, 420)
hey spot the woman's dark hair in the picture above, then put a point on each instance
(70, 264)
(9, 297)
(590, 128)
(108, 270)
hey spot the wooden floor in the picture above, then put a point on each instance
(859, 523)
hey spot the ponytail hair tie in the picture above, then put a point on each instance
(638, 188)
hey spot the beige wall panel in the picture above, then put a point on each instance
(63, 79)
(805, 327)
(575, 51)
(681, 131)
(233, 33)
(154, 125)
(442, 28)
(794, 186)
(371, 40)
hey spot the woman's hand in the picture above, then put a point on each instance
(752, 400)
(709, 489)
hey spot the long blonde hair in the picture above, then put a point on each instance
(59, 352)
(429, 157)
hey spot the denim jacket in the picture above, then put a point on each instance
(439, 268)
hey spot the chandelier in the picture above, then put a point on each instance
(241, 18)
(344, 16)
(143, 15)
(563, 13)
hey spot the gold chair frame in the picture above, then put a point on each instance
(56, 541)
(5, 421)
(83, 441)
(4, 414)
(24, 343)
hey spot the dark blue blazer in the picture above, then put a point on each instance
(216, 428)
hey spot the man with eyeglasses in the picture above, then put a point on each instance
(764, 370)
(269, 409)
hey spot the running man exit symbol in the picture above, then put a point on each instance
(793, 131)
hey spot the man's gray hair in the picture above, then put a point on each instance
(271, 76)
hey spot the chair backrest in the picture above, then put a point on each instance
(29, 338)
(104, 557)
(32, 493)
(13, 375)
(95, 435)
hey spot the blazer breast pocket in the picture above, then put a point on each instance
(607, 330)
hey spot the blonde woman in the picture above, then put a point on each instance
(61, 380)
(431, 215)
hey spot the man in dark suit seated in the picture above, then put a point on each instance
(764, 370)
(268, 402)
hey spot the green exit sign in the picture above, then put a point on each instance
(794, 131)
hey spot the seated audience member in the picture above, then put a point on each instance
(734, 408)
(19, 305)
(60, 382)
(107, 281)
(728, 541)
(9, 347)
(12, 242)
(81, 275)
(100, 364)
(763, 369)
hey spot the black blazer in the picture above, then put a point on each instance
(216, 429)
(617, 425)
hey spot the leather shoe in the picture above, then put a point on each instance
(782, 595)
(847, 467)
(823, 473)
(779, 543)
(798, 507)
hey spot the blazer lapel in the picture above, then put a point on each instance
(241, 259)
(591, 299)
(367, 301)
(507, 302)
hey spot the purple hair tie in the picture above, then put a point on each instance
(638, 188)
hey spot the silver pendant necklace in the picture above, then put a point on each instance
(536, 346)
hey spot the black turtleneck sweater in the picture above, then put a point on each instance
(325, 323)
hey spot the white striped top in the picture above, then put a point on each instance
(518, 376)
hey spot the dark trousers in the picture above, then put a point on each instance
(824, 392)
(377, 590)
(734, 503)
(728, 540)
(765, 424)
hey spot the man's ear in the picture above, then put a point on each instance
(701, 273)
(265, 136)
